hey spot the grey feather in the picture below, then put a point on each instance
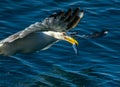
(33, 37)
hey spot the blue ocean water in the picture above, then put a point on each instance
(98, 62)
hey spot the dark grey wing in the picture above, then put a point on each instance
(63, 21)
(38, 26)
(59, 22)
(11, 38)
(21, 34)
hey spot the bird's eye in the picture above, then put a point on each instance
(64, 33)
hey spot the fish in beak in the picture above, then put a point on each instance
(73, 42)
(75, 47)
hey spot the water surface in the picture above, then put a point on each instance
(98, 62)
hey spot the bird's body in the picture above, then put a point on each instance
(41, 35)
(33, 42)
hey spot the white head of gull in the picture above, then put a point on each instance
(42, 35)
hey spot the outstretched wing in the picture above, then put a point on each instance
(62, 22)
(59, 22)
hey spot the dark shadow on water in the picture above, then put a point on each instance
(62, 0)
(64, 78)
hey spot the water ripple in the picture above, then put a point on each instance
(97, 64)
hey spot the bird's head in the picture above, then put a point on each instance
(62, 36)
(65, 37)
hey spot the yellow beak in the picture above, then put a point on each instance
(71, 40)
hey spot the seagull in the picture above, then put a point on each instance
(42, 35)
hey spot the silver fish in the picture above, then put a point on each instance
(75, 47)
